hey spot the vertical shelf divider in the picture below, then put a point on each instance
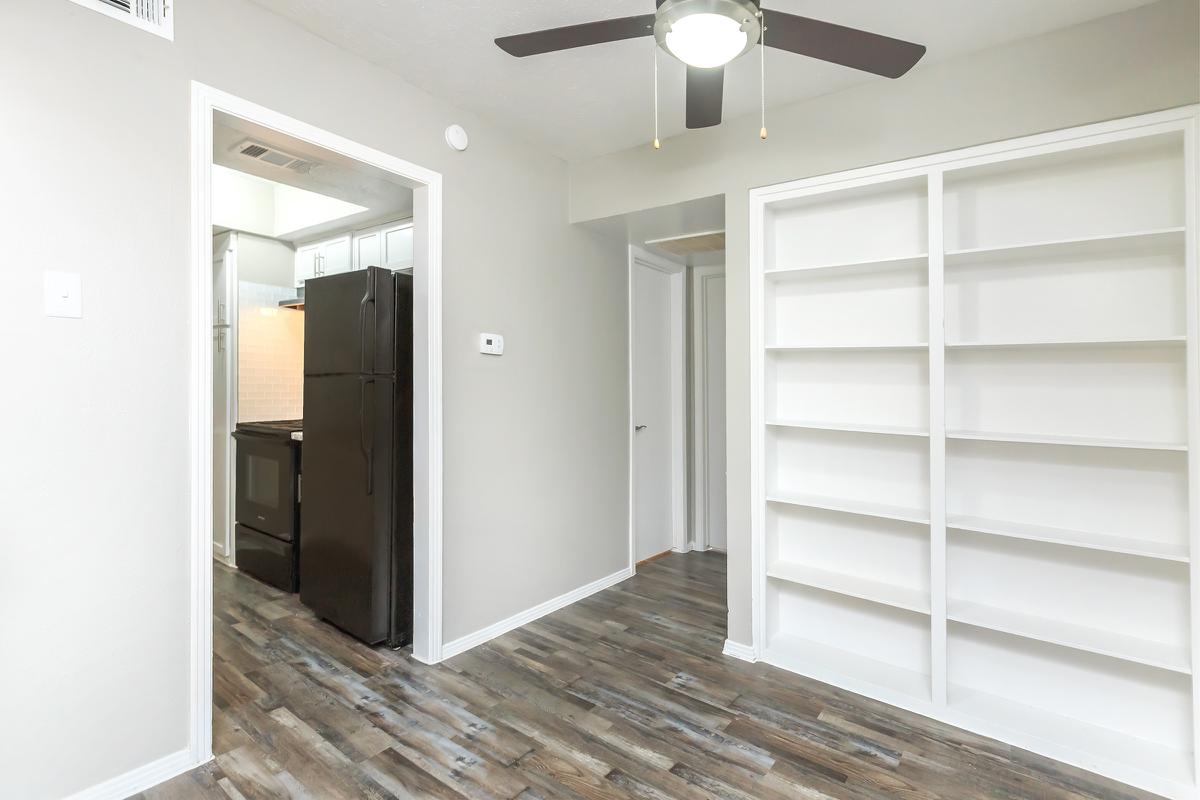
(1191, 220)
(937, 439)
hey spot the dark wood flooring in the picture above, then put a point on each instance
(623, 695)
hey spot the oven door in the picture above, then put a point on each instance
(266, 485)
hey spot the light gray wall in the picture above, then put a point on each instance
(94, 466)
(263, 260)
(1144, 60)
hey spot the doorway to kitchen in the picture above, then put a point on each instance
(300, 227)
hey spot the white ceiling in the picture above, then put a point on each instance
(332, 174)
(594, 100)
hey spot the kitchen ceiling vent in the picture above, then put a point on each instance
(155, 16)
(276, 158)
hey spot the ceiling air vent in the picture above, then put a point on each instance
(154, 16)
(276, 158)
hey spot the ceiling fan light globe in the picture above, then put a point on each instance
(706, 40)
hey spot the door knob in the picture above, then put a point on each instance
(639, 427)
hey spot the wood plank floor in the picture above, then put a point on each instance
(623, 695)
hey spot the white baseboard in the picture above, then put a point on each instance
(465, 643)
(140, 779)
(743, 651)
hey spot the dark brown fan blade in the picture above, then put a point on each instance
(849, 47)
(705, 92)
(548, 41)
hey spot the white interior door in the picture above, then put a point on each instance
(224, 391)
(652, 410)
(711, 286)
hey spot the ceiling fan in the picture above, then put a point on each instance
(708, 34)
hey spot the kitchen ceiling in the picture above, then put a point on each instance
(595, 100)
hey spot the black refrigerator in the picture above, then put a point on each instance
(357, 513)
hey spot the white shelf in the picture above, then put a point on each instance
(1071, 738)
(847, 427)
(1054, 439)
(1134, 342)
(900, 262)
(802, 348)
(1156, 238)
(848, 506)
(843, 668)
(1066, 634)
(1071, 538)
(851, 586)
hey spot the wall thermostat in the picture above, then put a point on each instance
(491, 344)
(456, 137)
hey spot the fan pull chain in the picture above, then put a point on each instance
(657, 143)
(762, 73)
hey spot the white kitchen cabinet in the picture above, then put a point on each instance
(335, 255)
(368, 249)
(398, 246)
(306, 262)
(323, 258)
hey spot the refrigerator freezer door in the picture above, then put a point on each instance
(350, 324)
(346, 556)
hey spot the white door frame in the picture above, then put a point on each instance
(427, 387)
(679, 543)
(701, 276)
(228, 555)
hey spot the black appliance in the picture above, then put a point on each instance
(267, 501)
(356, 556)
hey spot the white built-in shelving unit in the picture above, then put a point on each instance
(976, 417)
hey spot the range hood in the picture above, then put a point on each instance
(294, 302)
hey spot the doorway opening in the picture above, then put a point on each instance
(677, 378)
(289, 218)
(677, 469)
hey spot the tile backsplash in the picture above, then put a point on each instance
(270, 354)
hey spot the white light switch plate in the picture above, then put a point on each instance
(64, 294)
(491, 344)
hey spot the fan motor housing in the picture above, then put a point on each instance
(745, 12)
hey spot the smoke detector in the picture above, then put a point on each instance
(273, 156)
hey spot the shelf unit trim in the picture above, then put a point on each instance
(1192, 281)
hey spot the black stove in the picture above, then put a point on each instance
(267, 500)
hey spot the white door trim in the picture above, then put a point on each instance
(700, 526)
(679, 542)
(427, 379)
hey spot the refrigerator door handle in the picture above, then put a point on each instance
(365, 439)
(368, 299)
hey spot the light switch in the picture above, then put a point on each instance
(491, 344)
(64, 294)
